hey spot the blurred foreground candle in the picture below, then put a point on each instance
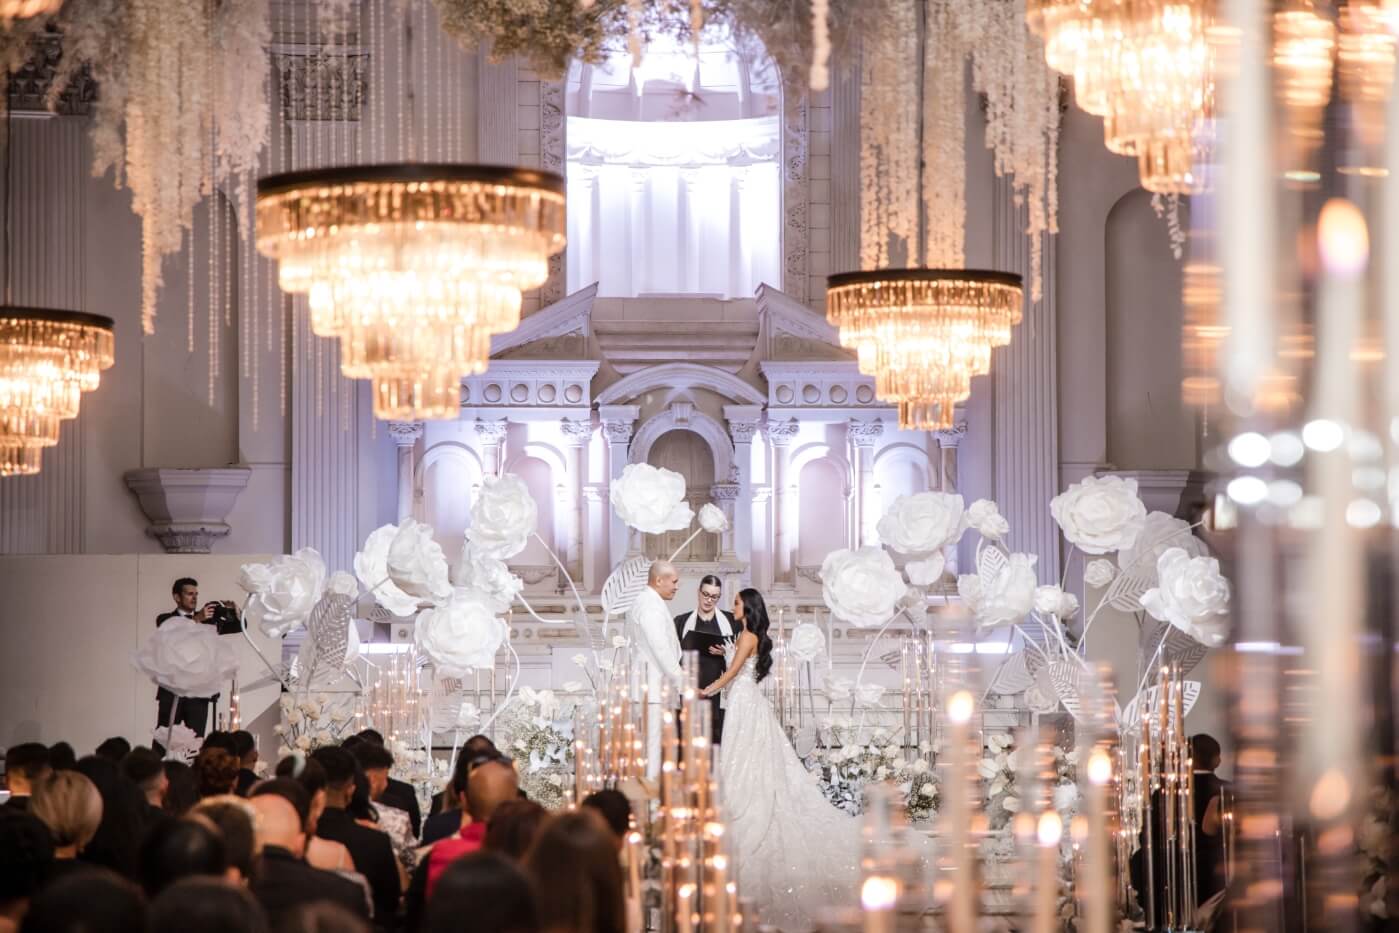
(961, 912)
(1098, 894)
(1048, 833)
(879, 894)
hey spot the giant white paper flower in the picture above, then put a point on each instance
(186, 658)
(861, 586)
(1190, 594)
(807, 642)
(984, 516)
(1005, 597)
(922, 523)
(372, 568)
(712, 519)
(490, 577)
(283, 591)
(503, 517)
(928, 571)
(1099, 573)
(461, 635)
(651, 499)
(1100, 514)
(1051, 600)
(1159, 533)
(416, 563)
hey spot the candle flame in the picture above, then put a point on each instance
(960, 707)
(879, 893)
(1051, 829)
(1343, 238)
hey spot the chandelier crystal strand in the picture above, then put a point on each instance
(944, 139)
(48, 359)
(1145, 67)
(889, 139)
(413, 267)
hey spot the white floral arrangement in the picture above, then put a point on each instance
(538, 734)
(310, 722)
(1375, 840)
(845, 765)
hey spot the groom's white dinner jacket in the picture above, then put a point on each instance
(653, 628)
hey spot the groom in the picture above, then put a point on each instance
(706, 630)
(649, 626)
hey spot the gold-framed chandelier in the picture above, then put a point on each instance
(412, 266)
(924, 333)
(48, 359)
(1145, 67)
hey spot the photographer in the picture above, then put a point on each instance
(194, 711)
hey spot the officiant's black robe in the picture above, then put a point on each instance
(711, 667)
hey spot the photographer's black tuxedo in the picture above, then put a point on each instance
(698, 634)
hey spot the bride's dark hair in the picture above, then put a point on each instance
(755, 620)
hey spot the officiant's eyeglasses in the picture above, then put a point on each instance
(709, 595)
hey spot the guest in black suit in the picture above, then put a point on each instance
(284, 882)
(246, 750)
(1209, 817)
(370, 849)
(398, 794)
(25, 764)
(705, 630)
(144, 768)
(193, 711)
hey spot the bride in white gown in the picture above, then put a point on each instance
(796, 852)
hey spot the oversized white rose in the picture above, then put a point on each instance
(342, 584)
(922, 523)
(712, 519)
(1190, 594)
(461, 635)
(807, 642)
(416, 563)
(986, 518)
(1099, 573)
(928, 571)
(1159, 533)
(283, 591)
(186, 658)
(503, 517)
(490, 577)
(1051, 600)
(862, 586)
(1006, 597)
(1100, 514)
(651, 499)
(372, 568)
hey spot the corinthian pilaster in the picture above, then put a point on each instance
(779, 435)
(492, 435)
(864, 435)
(576, 435)
(618, 423)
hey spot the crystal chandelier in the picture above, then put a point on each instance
(1144, 66)
(413, 267)
(924, 333)
(48, 359)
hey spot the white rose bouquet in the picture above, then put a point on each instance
(651, 499)
(922, 523)
(861, 586)
(1002, 597)
(1100, 514)
(807, 642)
(503, 517)
(372, 568)
(416, 564)
(1191, 595)
(186, 658)
(461, 635)
(283, 592)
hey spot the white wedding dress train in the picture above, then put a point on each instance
(795, 852)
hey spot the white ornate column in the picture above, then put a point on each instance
(948, 442)
(576, 436)
(779, 435)
(1025, 445)
(618, 422)
(405, 436)
(725, 495)
(594, 570)
(864, 435)
(743, 423)
(492, 435)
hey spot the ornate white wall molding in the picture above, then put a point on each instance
(29, 85)
(831, 391)
(570, 315)
(187, 508)
(532, 390)
(714, 434)
(680, 376)
(322, 82)
(406, 435)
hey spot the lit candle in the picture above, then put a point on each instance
(684, 908)
(908, 700)
(1048, 832)
(961, 912)
(634, 899)
(879, 895)
(1098, 893)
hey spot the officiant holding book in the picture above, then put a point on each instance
(706, 630)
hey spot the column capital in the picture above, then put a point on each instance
(491, 432)
(780, 433)
(952, 436)
(405, 433)
(577, 433)
(618, 422)
(864, 434)
(724, 491)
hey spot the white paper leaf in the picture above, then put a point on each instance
(1012, 676)
(1147, 700)
(328, 630)
(1125, 591)
(1177, 649)
(1039, 643)
(989, 563)
(624, 585)
(1064, 677)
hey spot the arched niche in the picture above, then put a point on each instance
(539, 477)
(899, 470)
(1149, 427)
(448, 478)
(689, 454)
(822, 491)
(696, 422)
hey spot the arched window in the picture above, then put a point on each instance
(686, 453)
(674, 170)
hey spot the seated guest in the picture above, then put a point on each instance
(206, 905)
(70, 806)
(513, 827)
(24, 764)
(443, 823)
(26, 855)
(94, 900)
(181, 788)
(370, 848)
(215, 771)
(180, 848)
(615, 809)
(246, 749)
(490, 785)
(145, 769)
(123, 817)
(234, 818)
(576, 875)
(398, 793)
(489, 889)
(322, 917)
(375, 761)
(284, 881)
(61, 757)
(322, 853)
(114, 749)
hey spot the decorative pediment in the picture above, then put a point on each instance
(567, 318)
(795, 332)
